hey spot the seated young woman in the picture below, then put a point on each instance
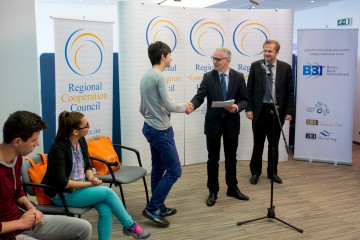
(69, 167)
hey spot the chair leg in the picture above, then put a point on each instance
(146, 191)
(122, 196)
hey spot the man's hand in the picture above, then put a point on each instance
(288, 117)
(233, 108)
(39, 217)
(250, 115)
(189, 108)
(28, 219)
(30, 211)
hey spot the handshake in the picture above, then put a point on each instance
(189, 108)
(232, 109)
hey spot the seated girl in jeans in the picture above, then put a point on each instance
(69, 167)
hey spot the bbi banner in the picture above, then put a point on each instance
(84, 71)
(325, 94)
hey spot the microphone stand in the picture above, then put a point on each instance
(271, 209)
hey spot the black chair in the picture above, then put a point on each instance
(53, 209)
(125, 174)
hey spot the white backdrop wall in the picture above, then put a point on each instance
(19, 77)
(322, 17)
(193, 36)
(45, 26)
(20, 15)
(326, 17)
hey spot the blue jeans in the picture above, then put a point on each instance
(105, 201)
(166, 167)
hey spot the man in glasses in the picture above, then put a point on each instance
(221, 84)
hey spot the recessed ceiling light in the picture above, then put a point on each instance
(312, 1)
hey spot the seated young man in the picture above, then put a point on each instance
(21, 133)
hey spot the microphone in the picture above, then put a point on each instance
(265, 69)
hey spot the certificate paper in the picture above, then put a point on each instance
(220, 104)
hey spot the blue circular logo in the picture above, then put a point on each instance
(246, 34)
(84, 52)
(202, 33)
(161, 28)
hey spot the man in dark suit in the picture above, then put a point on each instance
(261, 108)
(222, 83)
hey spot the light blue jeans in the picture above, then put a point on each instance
(166, 167)
(105, 201)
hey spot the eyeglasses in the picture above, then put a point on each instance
(216, 59)
(87, 126)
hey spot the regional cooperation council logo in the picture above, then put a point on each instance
(246, 34)
(200, 34)
(84, 52)
(160, 28)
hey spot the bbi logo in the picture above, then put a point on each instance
(311, 136)
(313, 70)
(312, 122)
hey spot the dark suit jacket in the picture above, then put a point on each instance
(284, 88)
(60, 164)
(210, 87)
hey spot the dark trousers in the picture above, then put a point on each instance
(230, 148)
(266, 126)
(166, 167)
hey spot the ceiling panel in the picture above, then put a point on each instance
(296, 5)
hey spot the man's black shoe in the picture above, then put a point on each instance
(254, 179)
(168, 212)
(156, 218)
(210, 201)
(237, 194)
(276, 179)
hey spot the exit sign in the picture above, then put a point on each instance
(344, 21)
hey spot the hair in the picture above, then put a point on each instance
(22, 124)
(156, 50)
(226, 51)
(68, 122)
(271, 41)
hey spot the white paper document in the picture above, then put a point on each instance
(220, 104)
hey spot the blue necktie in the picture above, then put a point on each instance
(223, 85)
(267, 95)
